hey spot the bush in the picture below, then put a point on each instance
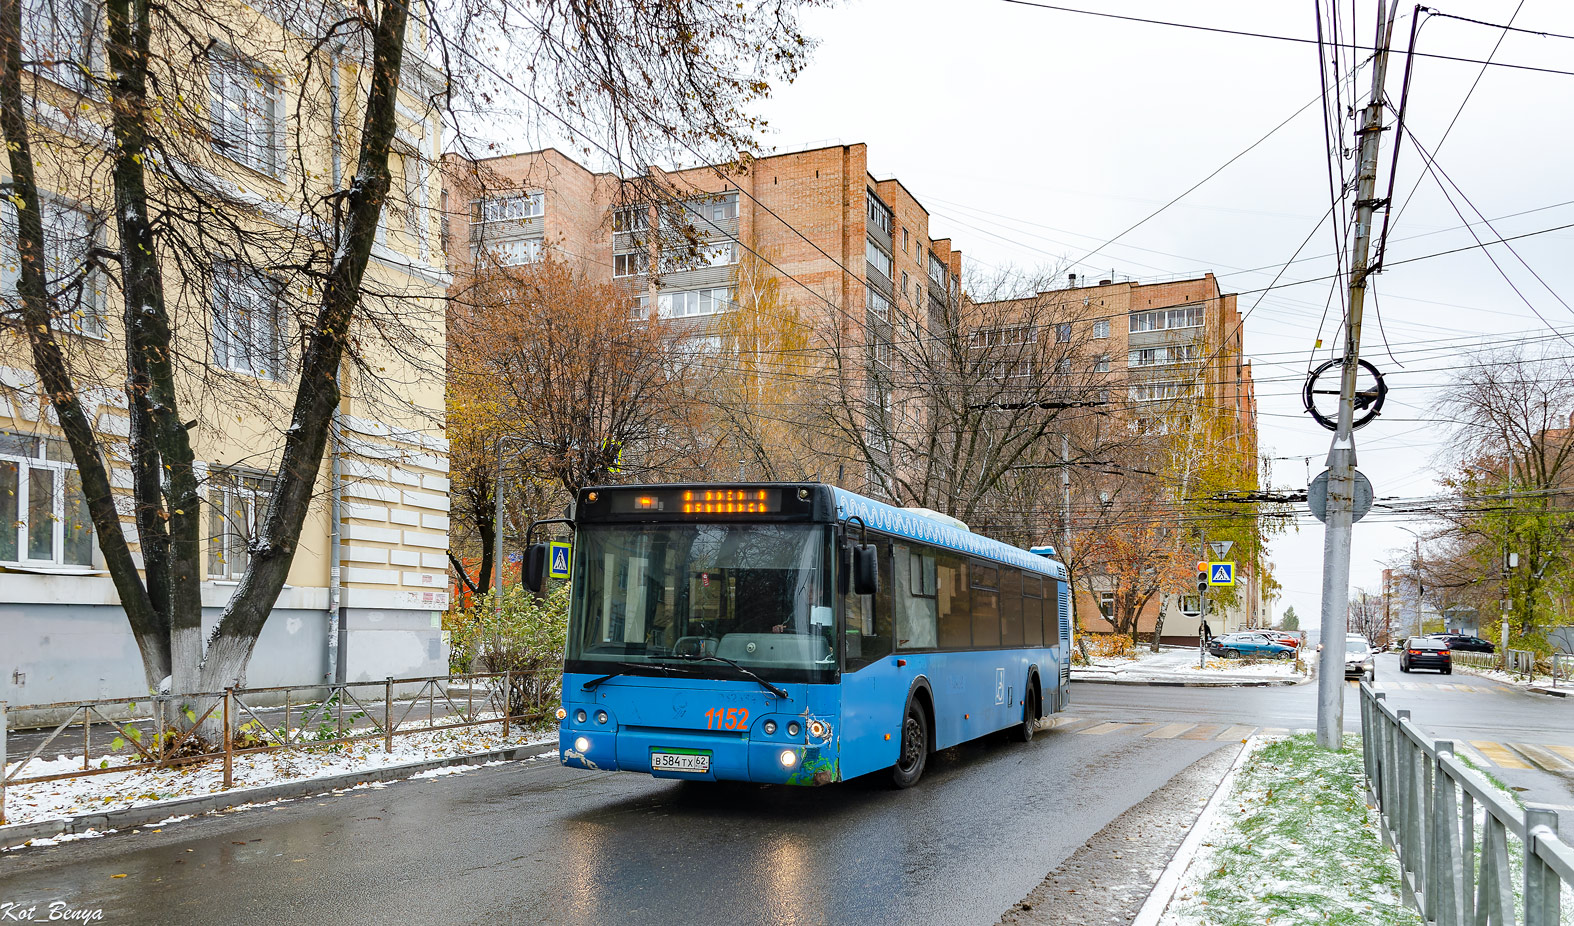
(1108, 645)
(526, 638)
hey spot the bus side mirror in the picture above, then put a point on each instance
(866, 570)
(534, 567)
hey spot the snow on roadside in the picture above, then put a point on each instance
(55, 800)
(1182, 662)
(1292, 844)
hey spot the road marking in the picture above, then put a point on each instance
(1170, 731)
(1543, 757)
(1075, 725)
(1202, 731)
(1103, 728)
(1275, 731)
(1566, 752)
(1238, 732)
(1462, 748)
(1498, 754)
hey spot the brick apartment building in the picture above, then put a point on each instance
(1155, 349)
(842, 244)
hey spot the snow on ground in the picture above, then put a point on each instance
(1292, 844)
(1518, 679)
(54, 800)
(1181, 663)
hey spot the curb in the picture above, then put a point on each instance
(1553, 692)
(1533, 689)
(1161, 683)
(1169, 882)
(15, 835)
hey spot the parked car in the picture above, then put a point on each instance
(1292, 640)
(1359, 659)
(1464, 642)
(1244, 643)
(1426, 653)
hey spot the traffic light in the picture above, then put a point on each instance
(1202, 578)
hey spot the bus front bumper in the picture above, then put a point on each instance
(706, 756)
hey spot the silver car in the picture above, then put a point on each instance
(1359, 659)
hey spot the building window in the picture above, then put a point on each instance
(1161, 356)
(1101, 328)
(246, 321)
(1063, 333)
(76, 295)
(631, 219)
(880, 346)
(1107, 604)
(1101, 365)
(694, 302)
(904, 241)
(879, 215)
(877, 257)
(937, 271)
(59, 39)
(236, 501)
(1063, 366)
(512, 207)
(904, 283)
(414, 199)
(43, 512)
(700, 346)
(1160, 392)
(639, 307)
(517, 252)
(1186, 316)
(877, 304)
(247, 114)
(718, 208)
(720, 255)
(632, 264)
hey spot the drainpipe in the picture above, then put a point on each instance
(335, 579)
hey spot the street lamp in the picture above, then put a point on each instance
(497, 526)
(1415, 568)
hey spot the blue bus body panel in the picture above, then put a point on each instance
(915, 526)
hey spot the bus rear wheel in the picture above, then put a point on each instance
(1024, 732)
(914, 754)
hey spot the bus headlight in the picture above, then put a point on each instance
(582, 745)
(818, 729)
(601, 716)
(788, 758)
(792, 728)
(579, 715)
(770, 727)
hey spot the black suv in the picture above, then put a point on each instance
(1426, 653)
(1464, 643)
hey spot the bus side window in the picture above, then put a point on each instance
(951, 601)
(914, 589)
(1032, 610)
(1010, 607)
(1052, 609)
(985, 599)
(868, 617)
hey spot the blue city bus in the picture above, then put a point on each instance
(796, 634)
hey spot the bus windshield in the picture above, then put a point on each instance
(674, 595)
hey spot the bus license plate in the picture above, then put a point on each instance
(679, 762)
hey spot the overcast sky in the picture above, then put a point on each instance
(1033, 136)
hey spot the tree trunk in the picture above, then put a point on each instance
(318, 392)
(148, 625)
(166, 495)
(1158, 622)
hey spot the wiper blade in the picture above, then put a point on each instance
(667, 670)
(690, 657)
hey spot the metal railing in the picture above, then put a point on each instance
(1562, 666)
(1520, 662)
(174, 733)
(1427, 800)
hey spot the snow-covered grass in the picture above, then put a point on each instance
(1293, 844)
(53, 800)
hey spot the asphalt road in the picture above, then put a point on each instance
(534, 842)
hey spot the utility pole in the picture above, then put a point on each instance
(1341, 455)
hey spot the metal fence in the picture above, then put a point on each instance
(182, 729)
(1517, 661)
(1427, 802)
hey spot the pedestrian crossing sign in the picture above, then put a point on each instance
(1221, 573)
(558, 559)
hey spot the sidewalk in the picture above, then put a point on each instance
(1540, 684)
(1178, 667)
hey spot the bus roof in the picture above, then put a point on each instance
(914, 526)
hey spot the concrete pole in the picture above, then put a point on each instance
(1341, 455)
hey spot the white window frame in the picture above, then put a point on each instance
(255, 345)
(59, 474)
(878, 212)
(1101, 364)
(61, 265)
(63, 35)
(688, 303)
(631, 264)
(517, 252)
(236, 499)
(247, 112)
(508, 207)
(877, 257)
(724, 254)
(1169, 318)
(877, 304)
(1101, 328)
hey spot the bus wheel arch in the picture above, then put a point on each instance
(1032, 708)
(918, 717)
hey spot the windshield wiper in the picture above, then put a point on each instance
(691, 657)
(668, 670)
